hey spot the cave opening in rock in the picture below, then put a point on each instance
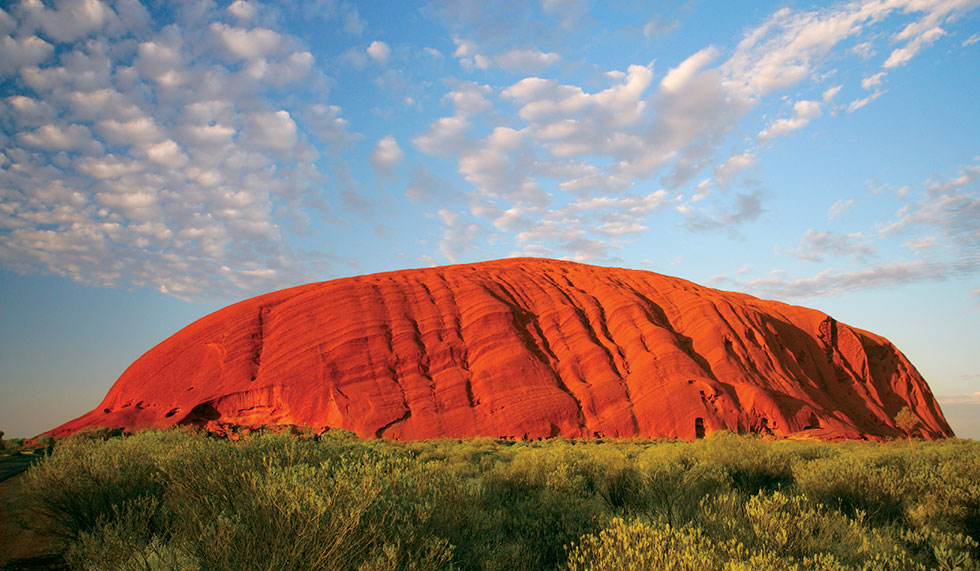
(699, 427)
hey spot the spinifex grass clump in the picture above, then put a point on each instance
(185, 500)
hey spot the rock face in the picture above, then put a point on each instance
(521, 348)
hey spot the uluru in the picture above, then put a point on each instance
(522, 348)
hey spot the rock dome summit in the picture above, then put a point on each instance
(521, 348)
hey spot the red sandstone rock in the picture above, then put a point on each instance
(521, 348)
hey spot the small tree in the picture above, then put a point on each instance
(47, 441)
(1, 440)
(906, 421)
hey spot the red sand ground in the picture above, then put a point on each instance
(521, 348)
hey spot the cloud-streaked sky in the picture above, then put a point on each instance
(160, 161)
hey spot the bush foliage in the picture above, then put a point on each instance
(186, 500)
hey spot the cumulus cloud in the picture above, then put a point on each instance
(19, 52)
(680, 76)
(526, 60)
(872, 81)
(726, 172)
(468, 55)
(69, 20)
(379, 52)
(386, 155)
(831, 92)
(803, 113)
(134, 158)
(902, 55)
(863, 101)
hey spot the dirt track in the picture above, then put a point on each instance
(20, 546)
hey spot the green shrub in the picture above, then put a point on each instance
(83, 481)
(289, 499)
(639, 546)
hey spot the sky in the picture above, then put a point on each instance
(160, 161)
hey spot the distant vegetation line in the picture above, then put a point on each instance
(180, 499)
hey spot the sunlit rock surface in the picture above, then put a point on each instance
(521, 348)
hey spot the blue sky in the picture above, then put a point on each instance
(160, 161)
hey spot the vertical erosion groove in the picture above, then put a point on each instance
(258, 344)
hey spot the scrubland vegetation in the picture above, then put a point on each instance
(185, 500)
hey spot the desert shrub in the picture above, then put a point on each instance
(131, 540)
(767, 531)
(638, 545)
(941, 487)
(942, 550)
(80, 484)
(753, 464)
(277, 518)
(286, 500)
(96, 433)
(860, 480)
(676, 482)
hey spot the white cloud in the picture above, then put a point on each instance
(831, 92)
(468, 55)
(167, 153)
(501, 166)
(446, 136)
(71, 20)
(927, 243)
(726, 173)
(860, 103)
(198, 186)
(803, 113)
(951, 207)
(872, 81)
(56, 138)
(325, 121)
(971, 40)
(386, 155)
(107, 167)
(272, 130)
(379, 52)
(526, 60)
(136, 131)
(247, 44)
(459, 236)
(830, 282)
(747, 207)
(680, 76)
(864, 50)
(839, 207)
(814, 246)
(902, 55)
(470, 98)
(571, 122)
(609, 140)
(20, 52)
(242, 10)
